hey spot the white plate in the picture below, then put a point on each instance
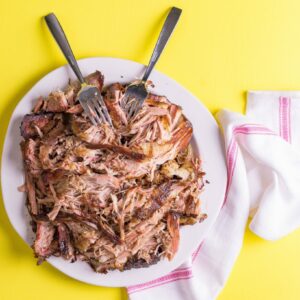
(206, 139)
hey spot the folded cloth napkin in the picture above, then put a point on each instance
(263, 162)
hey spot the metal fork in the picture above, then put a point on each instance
(89, 96)
(136, 93)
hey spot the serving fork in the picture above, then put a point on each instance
(137, 92)
(89, 96)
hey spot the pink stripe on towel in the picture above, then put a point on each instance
(231, 154)
(285, 118)
(174, 276)
(231, 160)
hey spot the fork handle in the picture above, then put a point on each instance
(163, 38)
(62, 41)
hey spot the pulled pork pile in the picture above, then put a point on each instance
(113, 197)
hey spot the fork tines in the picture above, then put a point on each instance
(134, 98)
(94, 106)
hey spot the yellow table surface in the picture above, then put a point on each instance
(220, 50)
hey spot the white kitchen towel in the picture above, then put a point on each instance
(263, 163)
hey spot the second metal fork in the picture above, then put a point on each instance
(136, 93)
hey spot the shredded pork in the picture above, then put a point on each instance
(113, 197)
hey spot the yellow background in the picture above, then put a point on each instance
(221, 49)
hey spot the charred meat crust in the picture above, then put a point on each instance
(157, 201)
(31, 122)
(136, 263)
